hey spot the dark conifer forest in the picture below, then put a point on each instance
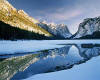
(8, 32)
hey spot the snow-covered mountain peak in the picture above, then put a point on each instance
(19, 19)
(88, 27)
(62, 25)
(59, 30)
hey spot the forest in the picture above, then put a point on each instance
(8, 32)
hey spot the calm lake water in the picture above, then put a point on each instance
(23, 66)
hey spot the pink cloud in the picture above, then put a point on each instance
(65, 15)
(60, 15)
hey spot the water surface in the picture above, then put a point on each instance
(23, 66)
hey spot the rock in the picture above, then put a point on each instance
(59, 30)
(88, 27)
(19, 18)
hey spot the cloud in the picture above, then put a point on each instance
(65, 15)
(60, 15)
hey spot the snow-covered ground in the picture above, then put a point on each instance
(10, 47)
(86, 71)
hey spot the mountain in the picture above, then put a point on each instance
(89, 29)
(58, 30)
(19, 19)
(22, 22)
(8, 32)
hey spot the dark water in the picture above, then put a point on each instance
(18, 67)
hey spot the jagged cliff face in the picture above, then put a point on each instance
(19, 18)
(88, 27)
(59, 30)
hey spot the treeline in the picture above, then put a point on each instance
(90, 45)
(95, 35)
(8, 32)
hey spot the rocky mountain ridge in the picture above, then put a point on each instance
(88, 27)
(59, 30)
(19, 18)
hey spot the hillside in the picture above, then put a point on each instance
(8, 32)
(89, 29)
(95, 35)
(19, 19)
(60, 31)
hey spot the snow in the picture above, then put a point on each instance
(11, 47)
(86, 71)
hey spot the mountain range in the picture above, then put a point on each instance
(19, 19)
(22, 26)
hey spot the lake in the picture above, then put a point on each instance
(50, 60)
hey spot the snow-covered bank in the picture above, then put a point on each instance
(10, 47)
(86, 71)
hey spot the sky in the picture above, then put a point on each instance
(69, 12)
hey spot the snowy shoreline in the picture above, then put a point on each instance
(21, 46)
(85, 71)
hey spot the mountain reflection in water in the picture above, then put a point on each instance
(24, 66)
